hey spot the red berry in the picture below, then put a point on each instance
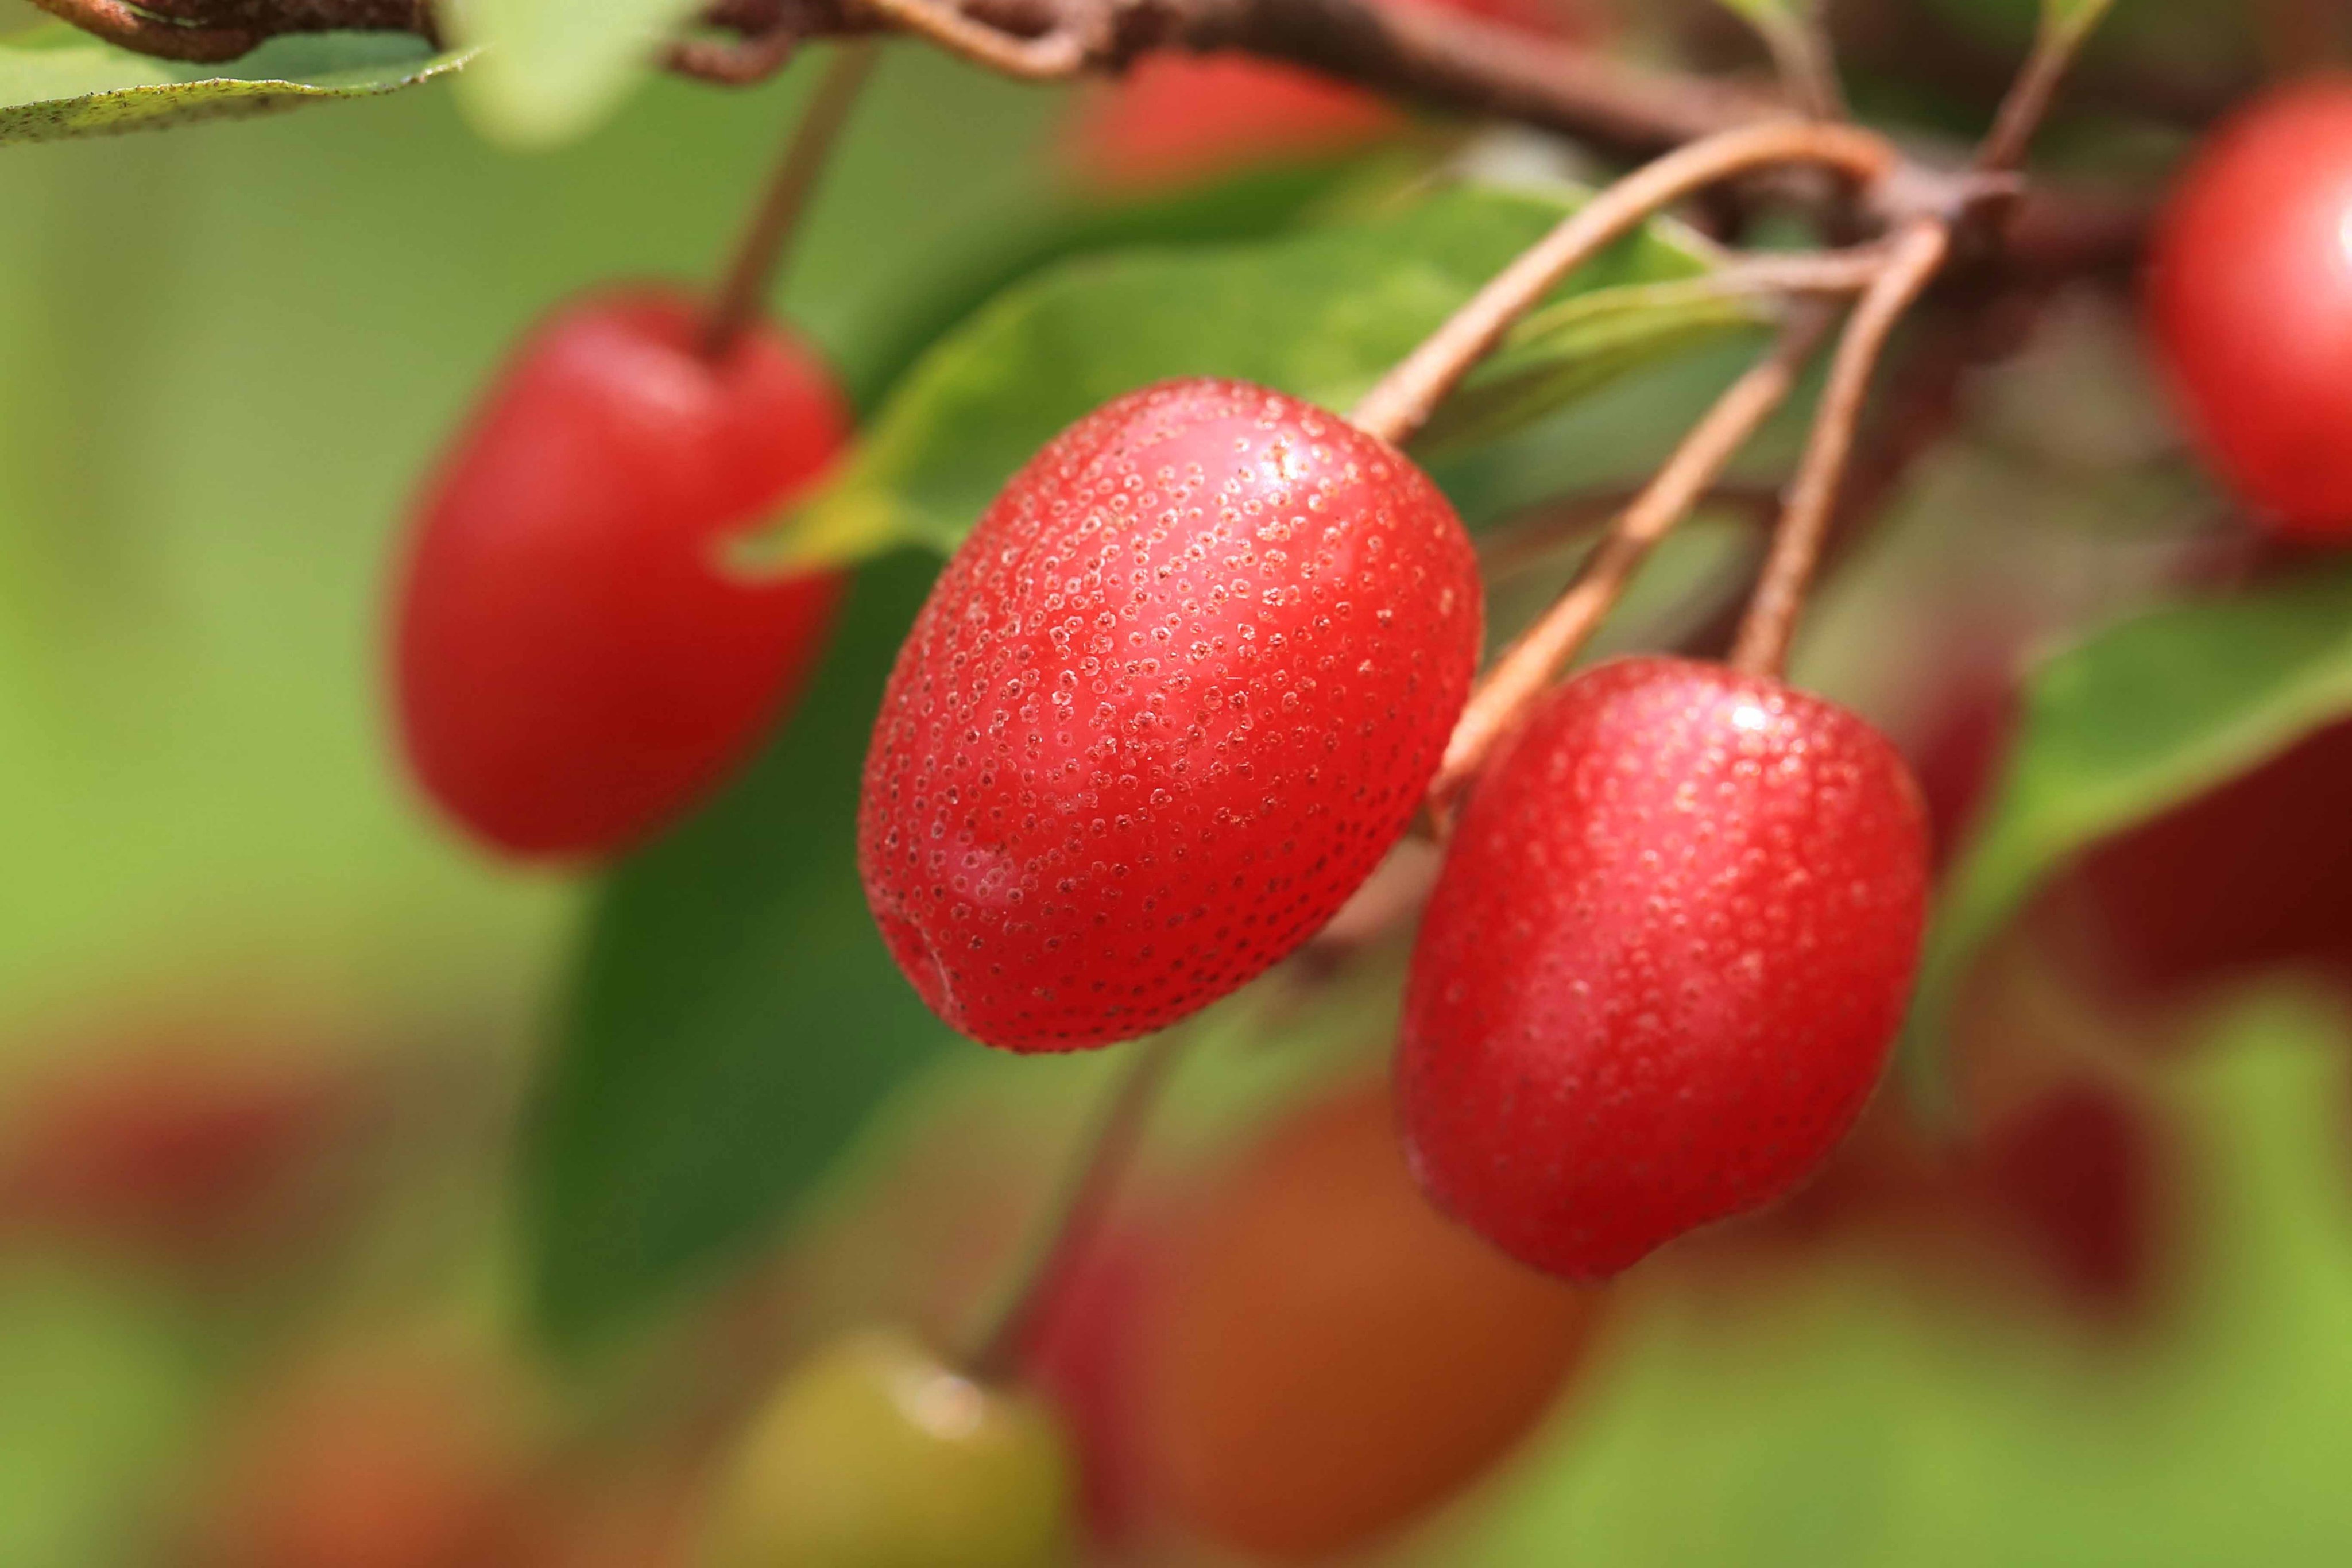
(574, 665)
(1669, 950)
(167, 1153)
(1168, 706)
(2249, 299)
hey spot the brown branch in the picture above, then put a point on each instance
(737, 62)
(1531, 663)
(1404, 398)
(1047, 56)
(206, 32)
(760, 252)
(1913, 258)
(2027, 103)
(131, 28)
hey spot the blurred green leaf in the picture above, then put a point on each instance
(1320, 314)
(2120, 727)
(552, 69)
(1579, 344)
(1252, 205)
(57, 81)
(733, 1014)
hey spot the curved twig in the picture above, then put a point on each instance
(1046, 58)
(1529, 665)
(760, 252)
(1912, 259)
(1402, 400)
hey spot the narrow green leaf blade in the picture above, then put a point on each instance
(552, 69)
(2135, 720)
(733, 1016)
(1320, 313)
(57, 82)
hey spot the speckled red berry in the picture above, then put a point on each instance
(1170, 704)
(1663, 964)
(574, 667)
(2250, 301)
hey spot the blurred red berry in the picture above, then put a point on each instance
(1176, 116)
(170, 1151)
(2249, 301)
(2075, 1177)
(1081, 1353)
(574, 665)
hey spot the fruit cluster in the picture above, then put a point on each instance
(1188, 681)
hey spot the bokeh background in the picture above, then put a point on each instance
(265, 1027)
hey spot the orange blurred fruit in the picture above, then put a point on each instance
(385, 1460)
(1327, 1358)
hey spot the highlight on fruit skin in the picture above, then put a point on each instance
(876, 1454)
(2249, 301)
(1665, 962)
(1324, 1359)
(573, 666)
(1173, 699)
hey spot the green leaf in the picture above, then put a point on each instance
(733, 1015)
(57, 81)
(2136, 719)
(552, 69)
(1254, 204)
(1581, 343)
(1320, 314)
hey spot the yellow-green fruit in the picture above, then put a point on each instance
(877, 1455)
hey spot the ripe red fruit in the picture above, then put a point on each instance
(2250, 300)
(1324, 1359)
(574, 667)
(1168, 706)
(1670, 947)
